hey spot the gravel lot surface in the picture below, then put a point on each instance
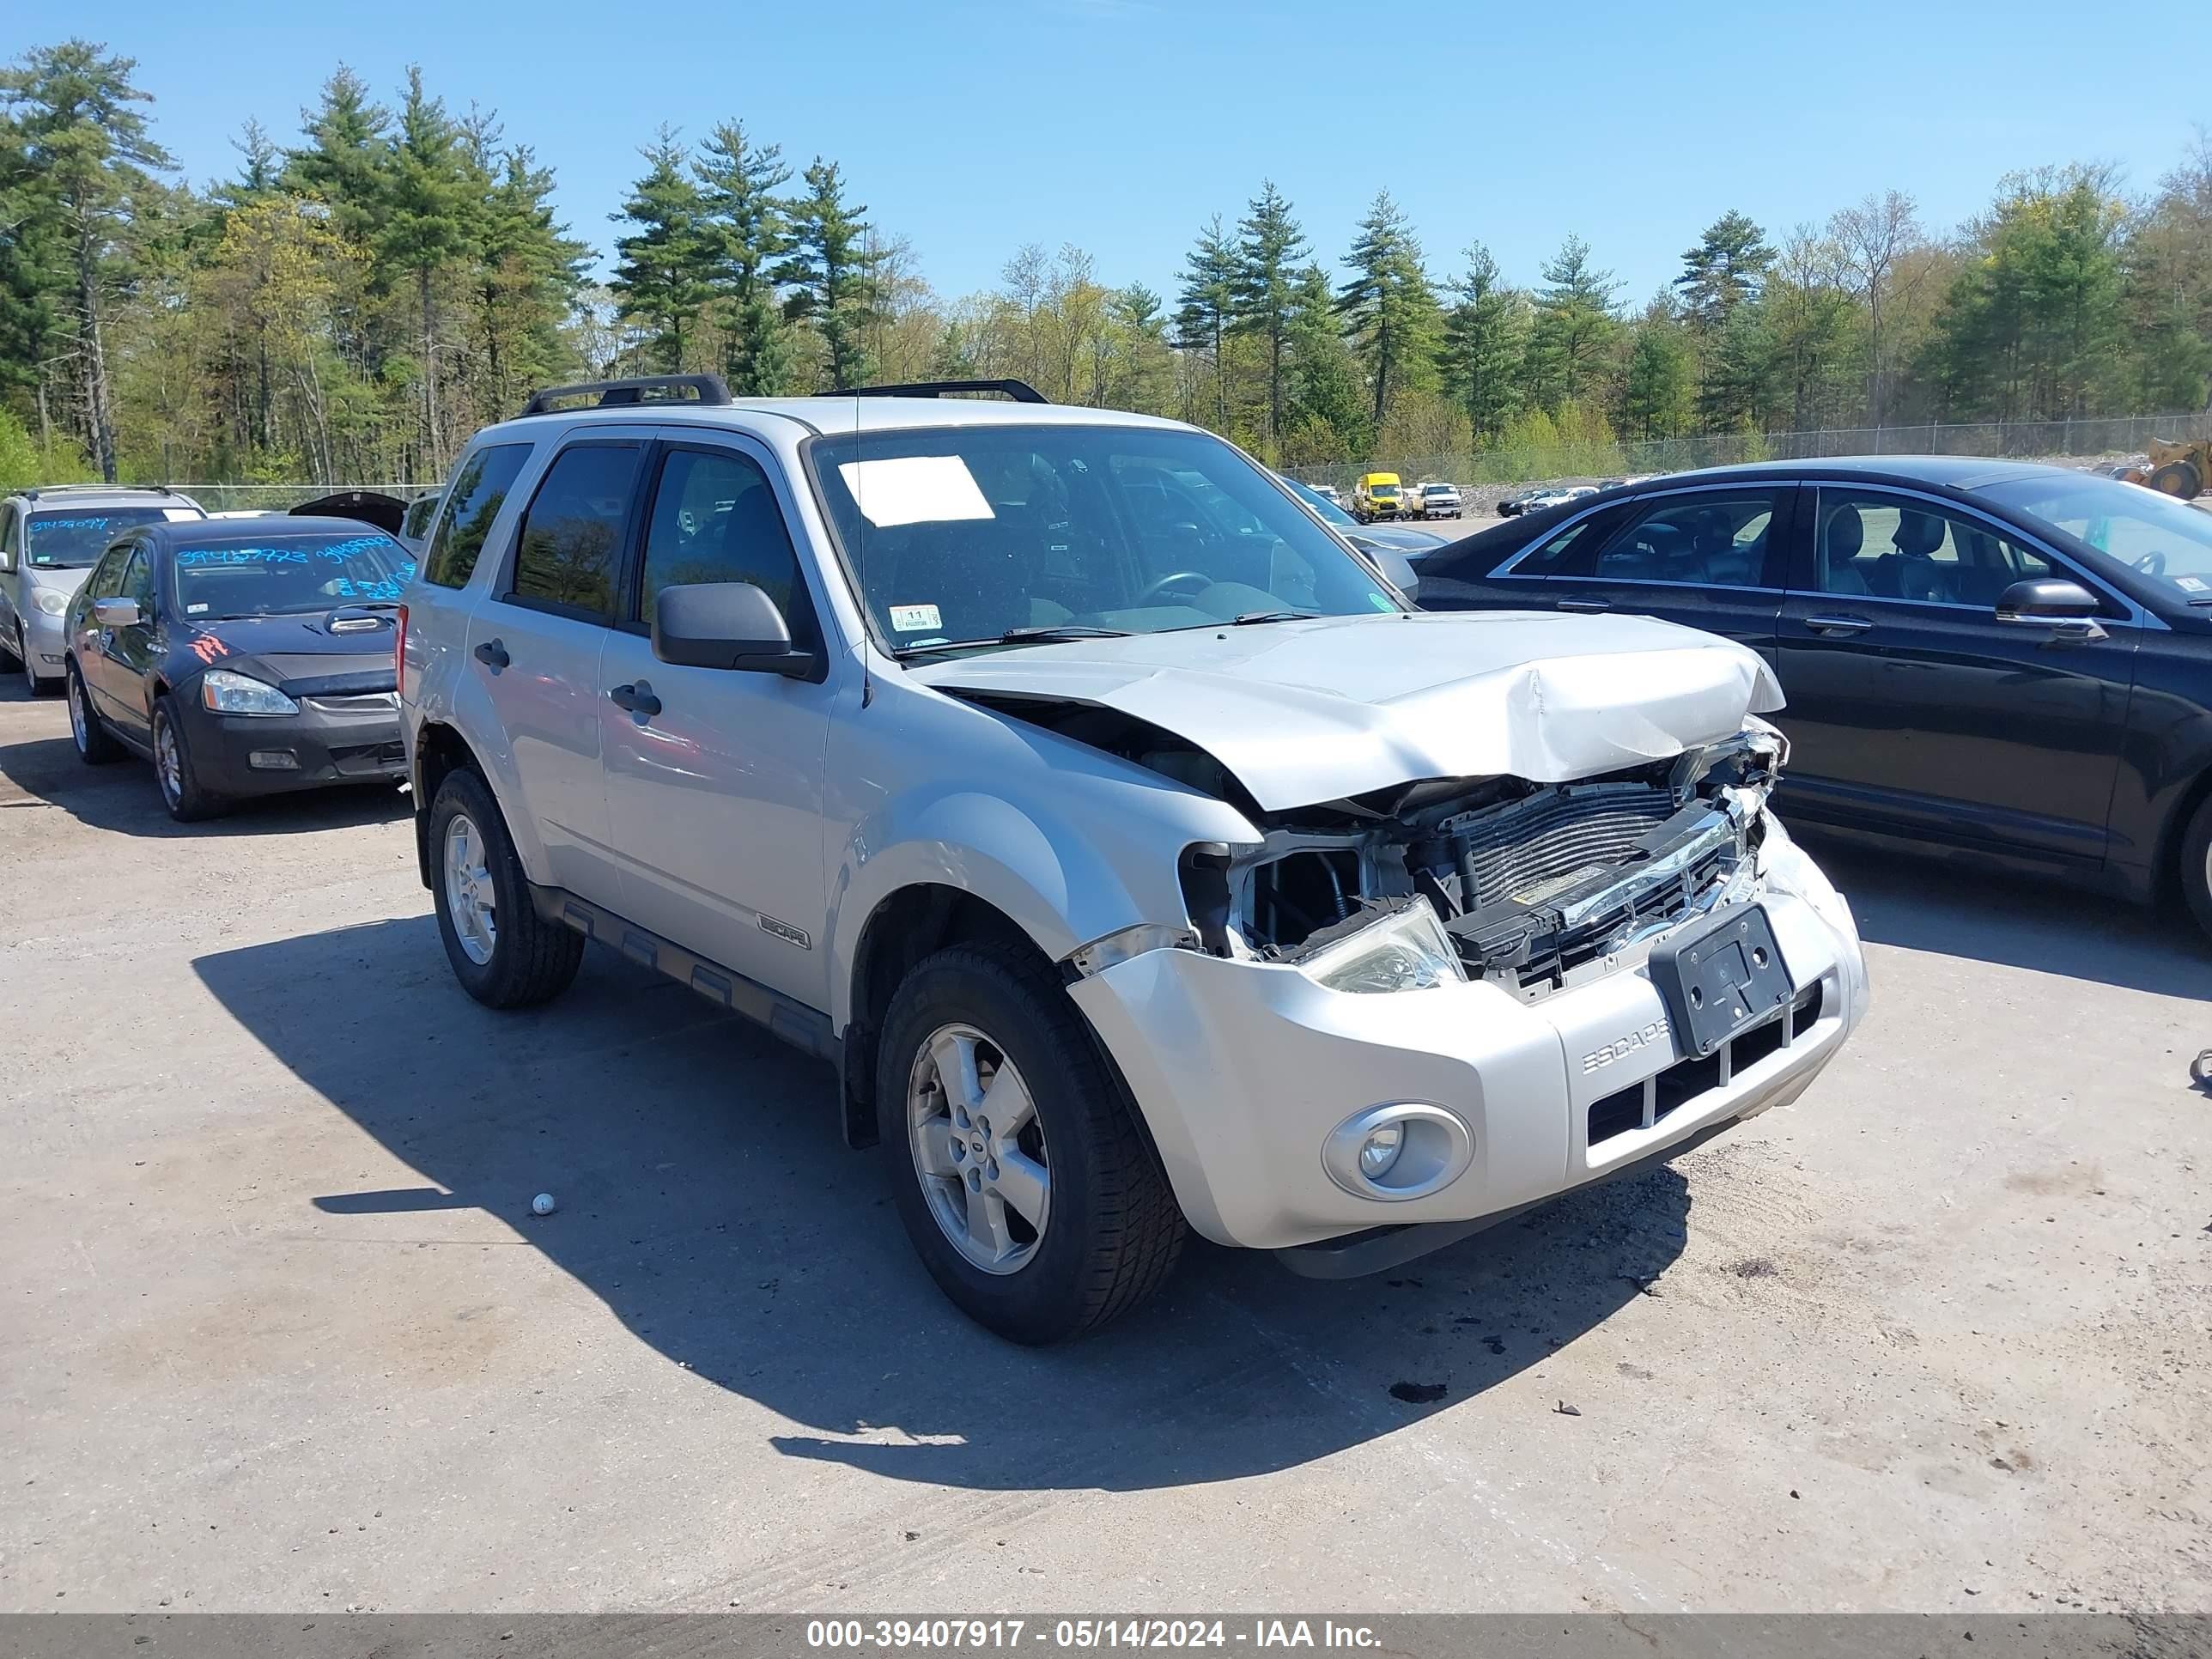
(282, 1333)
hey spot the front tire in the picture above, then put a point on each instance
(503, 952)
(33, 683)
(95, 744)
(1020, 1175)
(2197, 865)
(188, 803)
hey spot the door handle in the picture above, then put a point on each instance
(635, 700)
(1584, 605)
(1838, 624)
(493, 655)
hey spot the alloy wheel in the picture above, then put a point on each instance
(978, 1149)
(80, 720)
(169, 761)
(470, 900)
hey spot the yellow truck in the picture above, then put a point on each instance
(1376, 496)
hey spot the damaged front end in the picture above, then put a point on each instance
(1531, 886)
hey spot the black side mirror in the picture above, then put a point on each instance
(2045, 597)
(726, 625)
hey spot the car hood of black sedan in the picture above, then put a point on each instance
(347, 649)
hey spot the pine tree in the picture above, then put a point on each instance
(1728, 268)
(829, 274)
(425, 229)
(1268, 247)
(1656, 389)
(1206, 306)
(749, 225)
(1483, 341)
(528, 272)
(343, 163)
(89, 154)
(1388, 306)
(1575, 327)
(663, 269)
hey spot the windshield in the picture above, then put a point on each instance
(1384, 489)
(1436, 490)
(74, 541)
(2156, 534)
(1329, 511)
(268, 576)
(958, 536)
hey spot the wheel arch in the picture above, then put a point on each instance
(440, 751)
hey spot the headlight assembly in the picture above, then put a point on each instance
(1406, 951)
(228, 693)
(51, 600)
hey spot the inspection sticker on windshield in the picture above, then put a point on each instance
(914, 489)
(913, 618)
(2190, 583)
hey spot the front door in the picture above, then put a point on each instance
(537, 646)
(714, 776)
(1912, 708)
(1709, 559)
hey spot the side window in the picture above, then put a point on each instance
(106, 579)
(8, 539)
(137, 582)
(472, 504)
(1875, 545)
(569, 548)
(1716, 540)
(1571, 552)
(714, 519)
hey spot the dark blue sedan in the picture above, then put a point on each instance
(2005, 664)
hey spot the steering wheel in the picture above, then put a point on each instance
(1197, 580)
(2152, 563)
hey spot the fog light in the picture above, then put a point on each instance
(274, 760)
(1380, 1150)
(1398, 1150)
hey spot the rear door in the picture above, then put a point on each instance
(536, 642)
(1914, 708)
(714, 776)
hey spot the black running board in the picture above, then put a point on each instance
(804, 1028)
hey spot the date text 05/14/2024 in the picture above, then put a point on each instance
(892, 1634)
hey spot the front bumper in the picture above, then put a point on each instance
(1242, 1069)
(332, 740)
(47, 643)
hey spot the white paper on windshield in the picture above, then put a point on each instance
(914, 489)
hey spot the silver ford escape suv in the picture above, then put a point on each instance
(1140, 858)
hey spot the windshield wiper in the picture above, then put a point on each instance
(1044, 634)
(1250, 616)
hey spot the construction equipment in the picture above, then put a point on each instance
(2176, 469)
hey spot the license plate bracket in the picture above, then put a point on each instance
(1720, 978)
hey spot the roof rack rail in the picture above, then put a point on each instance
(97, 488)
(616, 394)
(1020, 390)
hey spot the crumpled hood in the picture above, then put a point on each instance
(1304, 712)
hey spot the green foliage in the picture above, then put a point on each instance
(1485, 337)
(828, 272)
(1656, 391)
(23, 462)
(1206, 306)
(1268, 247)
(1726, 270)
(662, 270)
(1575, 330)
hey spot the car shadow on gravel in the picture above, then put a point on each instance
(1917, 904)
(705, 1200)
(46, 774)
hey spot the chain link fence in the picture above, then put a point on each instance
(2119, 435)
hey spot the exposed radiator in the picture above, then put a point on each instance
(1513, 851)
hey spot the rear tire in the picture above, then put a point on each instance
(188, 803)
(1109, 1232)
(95, 744)
(2195, 870)
(503, 952)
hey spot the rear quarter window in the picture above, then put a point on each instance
(479, 490)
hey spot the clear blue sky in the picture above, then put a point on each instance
(970, 126)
